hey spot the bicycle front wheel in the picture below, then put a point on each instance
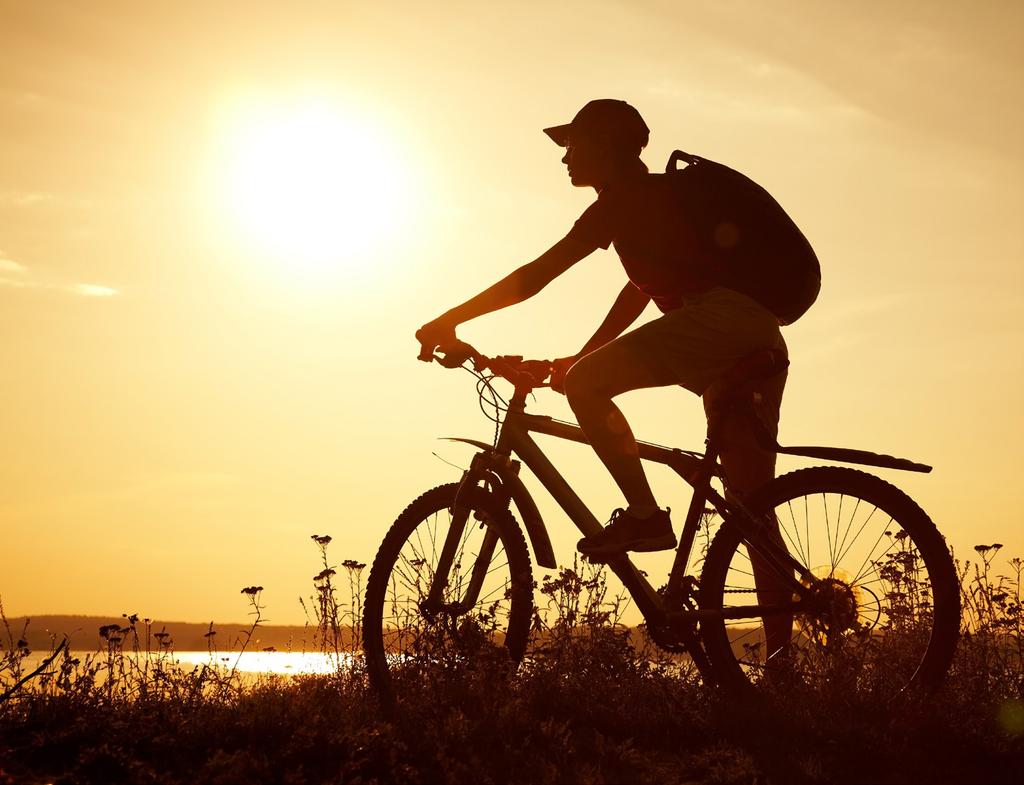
(885, 609)
(415, 618)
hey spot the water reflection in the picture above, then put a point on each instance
(281, 662)
(254, 662)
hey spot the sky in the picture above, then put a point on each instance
(201, 365)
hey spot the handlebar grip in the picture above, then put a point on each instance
(455, 354)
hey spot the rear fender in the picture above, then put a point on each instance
(507, 473)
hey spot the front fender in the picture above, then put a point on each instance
(543, 553)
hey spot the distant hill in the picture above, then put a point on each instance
(187, 636)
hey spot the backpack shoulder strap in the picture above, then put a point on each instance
(676, 157)
(692, 160)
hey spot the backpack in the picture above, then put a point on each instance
(746, 237)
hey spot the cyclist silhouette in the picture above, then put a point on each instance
(704, 330)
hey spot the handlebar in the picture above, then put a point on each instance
(523, 374)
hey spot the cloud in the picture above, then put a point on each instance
(11, 273)
(16, 276)
(21, 98)
(8, 265)
(24, 198)
(92, 290)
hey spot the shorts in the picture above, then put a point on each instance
(695, 344)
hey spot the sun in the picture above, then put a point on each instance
(311, 184)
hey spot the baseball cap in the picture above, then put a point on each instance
(604, 115)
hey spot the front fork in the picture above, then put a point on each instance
(477, 472)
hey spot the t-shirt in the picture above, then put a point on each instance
(657, 246)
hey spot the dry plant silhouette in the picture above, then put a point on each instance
(593, 701)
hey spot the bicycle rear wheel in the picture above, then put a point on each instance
(486, 600)
(886, 610)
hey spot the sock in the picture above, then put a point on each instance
(641, 511)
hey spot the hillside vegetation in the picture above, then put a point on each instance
(592, 702)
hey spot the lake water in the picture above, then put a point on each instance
(279, 662)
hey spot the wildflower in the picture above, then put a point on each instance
(321, 539)
(983, 549)
(252, 591)
(107, 630)
(324, 574)
(352, 564)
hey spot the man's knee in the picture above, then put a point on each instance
(583, 380)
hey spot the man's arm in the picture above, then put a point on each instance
(519, 285)
(523, 283)
(624, 311)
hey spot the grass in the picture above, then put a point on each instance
(593, 703)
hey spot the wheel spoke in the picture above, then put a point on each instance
(796, 533)
(807, 530)
(859, 532)
(868, 559)
(828, 533)
(846, 532)
(792, 545)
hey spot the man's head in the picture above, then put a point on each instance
(602, 142)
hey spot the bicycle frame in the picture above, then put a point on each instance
(697, 469)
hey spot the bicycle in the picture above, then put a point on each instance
(880, 612)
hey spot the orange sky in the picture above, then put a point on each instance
(183, 404)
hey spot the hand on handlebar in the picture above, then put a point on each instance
(439, 336)
(435, 335)
(559, 368)
(531, 373)
(454, 353)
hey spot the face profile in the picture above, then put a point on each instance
(602, 142)
(590, 160)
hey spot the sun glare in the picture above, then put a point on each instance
(311, 185)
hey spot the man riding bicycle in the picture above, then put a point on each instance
(704, 330)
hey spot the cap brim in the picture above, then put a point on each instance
(559, 134)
